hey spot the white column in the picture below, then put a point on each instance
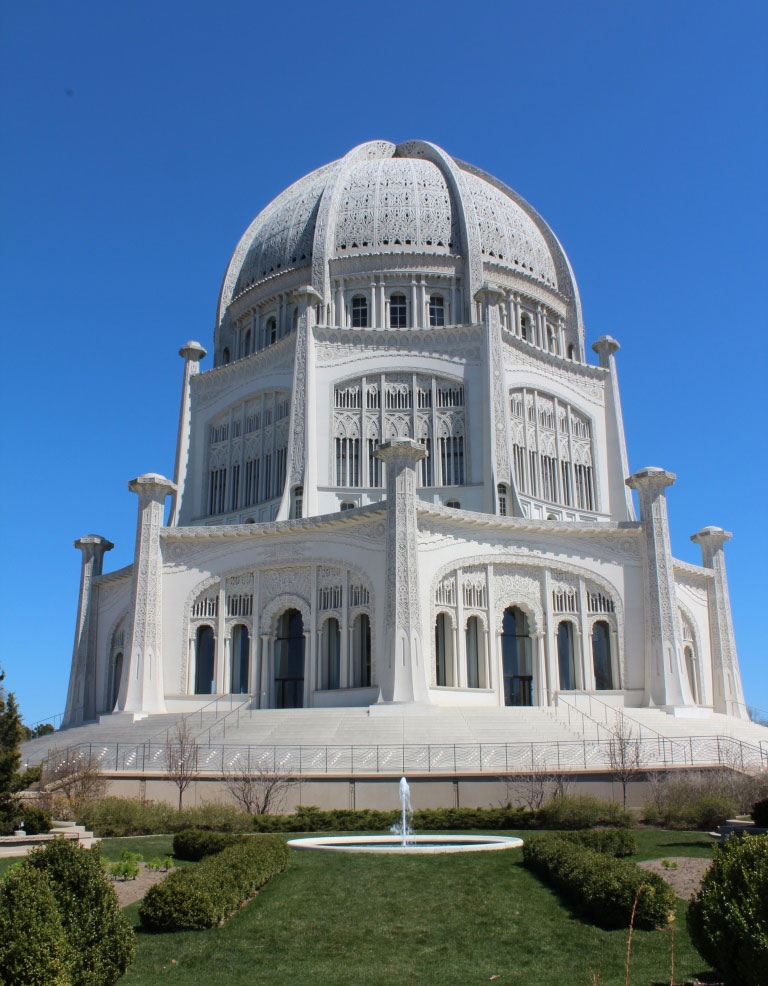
(192, 352)
(308, 658)
(222, 650)
(265, 683)
(586, 670)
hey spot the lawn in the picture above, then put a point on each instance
(455, 920)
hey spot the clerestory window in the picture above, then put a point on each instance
(398, 311)
(359, 312)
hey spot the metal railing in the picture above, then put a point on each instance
(442, 758)
(55, 721)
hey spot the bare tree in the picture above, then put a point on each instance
(534, 788)
(181, 757)
(259, 790)
(75, 773)
(624, 753)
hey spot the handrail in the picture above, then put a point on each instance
(583, 715)
(223, 721)
(188, 715)
(44, 722)
(622, 712)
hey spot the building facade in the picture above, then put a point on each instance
(402, 481)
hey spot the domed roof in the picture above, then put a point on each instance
(383, 198)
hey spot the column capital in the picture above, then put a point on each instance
(93, 543)
(605, 347)
(153, 484)
(192, 351)
(402, 449)
(306, 293)
(489, 292)
(650, 478)
(712, 537)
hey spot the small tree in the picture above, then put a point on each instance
(181, 757)
(624, 754)
(34, 950)
(11, 735)
(259, 790)
(75, 773)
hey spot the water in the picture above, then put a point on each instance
(405, 828)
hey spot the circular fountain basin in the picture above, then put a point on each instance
(415, 844)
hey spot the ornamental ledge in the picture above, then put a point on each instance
(472, 518)
(200, 381)
(561, 362)
(688, 568)
(346, 518)
(119, 575)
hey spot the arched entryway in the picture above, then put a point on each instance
(117, 674)
(289, 661)
(204, 666)
(601, 655)
(240, 651)
(565, 656)
(361, 651)
(517, 657)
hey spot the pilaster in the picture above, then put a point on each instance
(496, 465)
(728, 692)
(402, 674)
(81, 694)
(142, 691)
(665, 677)
(191, 352)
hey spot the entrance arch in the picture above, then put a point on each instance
(204, 667)
(289, 660)
(516, 657)
(239, 659)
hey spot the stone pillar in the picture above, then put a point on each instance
(728, 694)
(402, 671)
(496, 456)
(620, 506)
(665, 677)
(142, 691)
(81, 694)
(191, 352)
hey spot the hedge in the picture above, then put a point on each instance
(601, 887)
(699, 812)
(612, 842)
(728, 918)
(196, 844)
(205, 895)
(115, 817)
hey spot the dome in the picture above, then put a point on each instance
(394, 200)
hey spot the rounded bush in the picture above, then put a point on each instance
(100, 937)
(34, 950)
(760, 813)
(578, 812)
(196, 844)
(728, 918)
(36, 821)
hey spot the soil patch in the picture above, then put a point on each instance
(686, 878)
(129, 891)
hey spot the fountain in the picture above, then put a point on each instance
(403, 838)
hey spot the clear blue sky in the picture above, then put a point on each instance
(140, 139)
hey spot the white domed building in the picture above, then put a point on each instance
(402, 484)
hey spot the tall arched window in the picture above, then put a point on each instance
(501, 493)
(475, 644)
(330, 654)
(361, 651)
(359, 312)
(398, 311)
(692, 669)
(436, 310)
(289, 661)
(239, 658)
(247, 343)
(443, 650)
(298, 502)
(601, 655)
(525, 327)
(565, 656)
(517, 658)
(117, 674)
(225, 355)
(204, 667)
(271, 331)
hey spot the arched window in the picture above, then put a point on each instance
(525, 327)
(551, 343)
(289, 661)
(347, 505)
(516, 657)
(240, 648)
(436, 310)
(225, 355)
(247, 343)
(359, 312)
(501, 493)
(453, 503)
(601, 655)
(571, 351)
(298, 502)
(475, 643)
(565, 656)
(117, 674)
(330, 654)
(206, 652)
(361, 651)
(271, 331)
(398, 311)
(443, 650)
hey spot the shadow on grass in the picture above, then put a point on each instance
(700, 844)
(700, 979)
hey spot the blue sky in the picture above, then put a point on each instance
(140, 140)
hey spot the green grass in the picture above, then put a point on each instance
(339, 920)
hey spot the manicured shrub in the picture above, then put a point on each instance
(116, 817)
(601, 887)
(204, 895)
(760, 813)
(100, 937)
(195, 844)
(684, 809)
(214, 816)
(613, 842)
(36, 821)
(728, 918)
(34, 950)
